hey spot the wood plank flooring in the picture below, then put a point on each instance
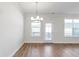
(48, 50)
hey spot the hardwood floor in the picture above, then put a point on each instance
(48, 50)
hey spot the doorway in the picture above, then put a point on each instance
(48, 31)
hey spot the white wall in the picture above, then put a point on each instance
(11, 29)
(58, 29)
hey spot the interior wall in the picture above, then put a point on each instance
(57, 29)
(11, 29)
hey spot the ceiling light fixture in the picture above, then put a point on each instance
(37, 17)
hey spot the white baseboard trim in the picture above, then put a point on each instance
(65, 43)
(16, 50)
(52, 42)
(37, 42)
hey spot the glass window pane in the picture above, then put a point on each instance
(76, 25)
(76, 32)
(47, 36)
(76, 29)
(35, 29)
(76, 20)
(35, 34)
(68, 20)
(68, 30)
(68, 34)
(68, 25)
(35, 24)
(48, 27)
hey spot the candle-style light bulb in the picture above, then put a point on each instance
(37, 18)
(41, 19)
(32, 18)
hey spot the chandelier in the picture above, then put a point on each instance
(37, 17)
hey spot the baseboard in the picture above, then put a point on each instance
(65, 43)
(16, 50)
(36, 42)
(53, 42)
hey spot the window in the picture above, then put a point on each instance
(71, 28)
(35, 25)
(76, 28)
(48, 31)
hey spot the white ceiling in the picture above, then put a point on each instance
(50, 7)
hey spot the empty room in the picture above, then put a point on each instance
(39, 29)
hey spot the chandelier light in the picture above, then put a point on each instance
(37, 17)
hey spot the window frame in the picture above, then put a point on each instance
(73, 28)
(39, 27)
